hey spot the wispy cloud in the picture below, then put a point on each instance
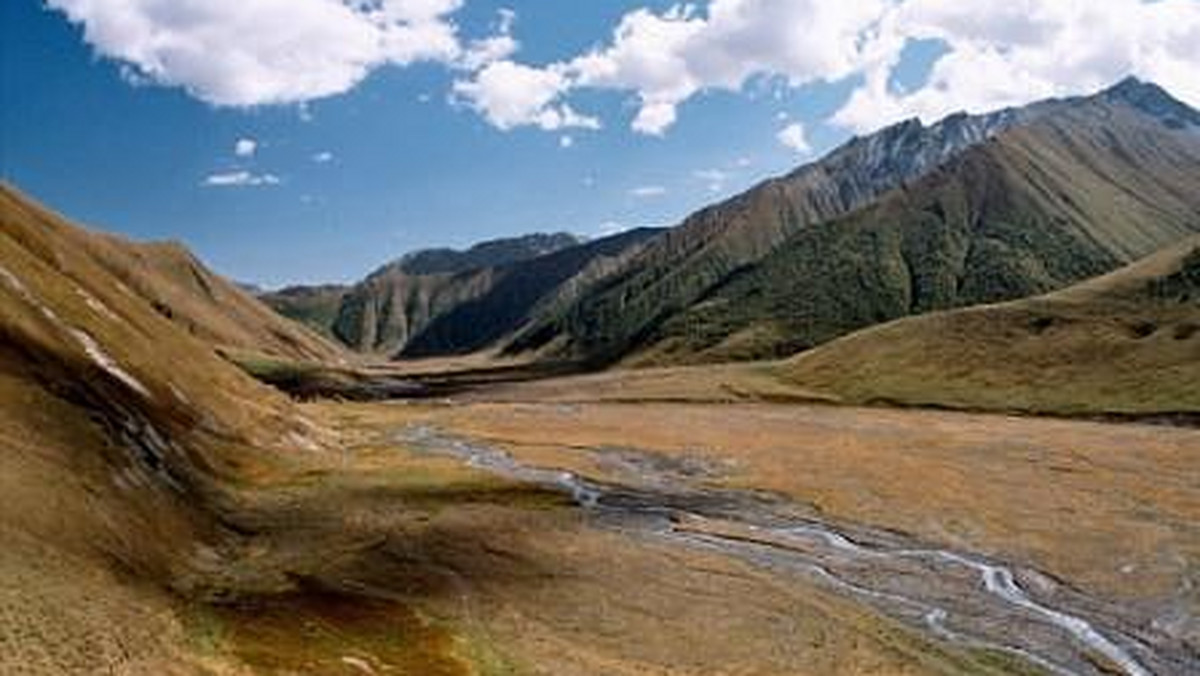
(646, 191)
(240, 179)
(323, 157)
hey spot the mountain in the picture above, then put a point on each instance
(490, 254)
(175, 284)
(314, 306)
(518, 293)
(913, 218)
(120, 427)
(1068, 196)
(441, 302)
(1126, 343)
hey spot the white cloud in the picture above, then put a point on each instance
(566, 141)
(240, 179)
(794, 138)
(245, 147)
(667, 58)
(252, 52)
(1028, 49)
(497, 47)
(511, 95)
(647, 191)
(999, 52)
(1010, 52)
(323, 157)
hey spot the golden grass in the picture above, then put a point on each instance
(1107, 507)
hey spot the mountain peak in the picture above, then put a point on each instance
(1153, 100)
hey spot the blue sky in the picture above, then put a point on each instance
(413, 154)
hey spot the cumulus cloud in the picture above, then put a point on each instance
(1009, 52)
(668, 58)
(997, 52)
(323, 157)
(497, 47)
(795, 139)
(245, 147)
(509, 95)
(240, 179)
(252, 52)
(1029, 49)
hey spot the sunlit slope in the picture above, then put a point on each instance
(172, 281)
(119, 431)
(1125, 343)
(1073, 195)
(911, 219)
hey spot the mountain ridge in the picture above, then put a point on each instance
(695, 258)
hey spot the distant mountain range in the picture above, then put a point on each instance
(442, 301)
(912, 219)
(974, 209)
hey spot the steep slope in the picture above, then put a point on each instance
(518, 293)
(1070, 196)
(645, 303)
(119, 434)
(182, 289)
(432, 303)
(314, 306)
(690, 259)
(381, 314)
(1124, 343)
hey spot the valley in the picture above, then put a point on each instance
(926, 405)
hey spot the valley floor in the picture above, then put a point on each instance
(662, 523)
(639, 524)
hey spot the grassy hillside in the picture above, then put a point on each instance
(973, 209)
(381, 314)
(314, 306)
(441, 302)
(175, 284)
(1125, 343)
(518, 294)
(1035, 209)
(120, 431)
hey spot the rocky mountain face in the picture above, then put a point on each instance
(438, 302)
(971, 209)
